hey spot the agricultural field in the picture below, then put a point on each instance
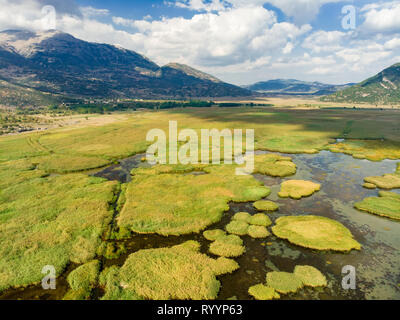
(324, 195)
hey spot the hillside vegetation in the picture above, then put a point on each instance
(382, 89)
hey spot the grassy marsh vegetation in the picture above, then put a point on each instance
(284, 282)
(59, 219)
(262, 292)
(50, 221)
(310, 276)
(212, 235)
(386, 205)
(183, 204)
(314, 232)
(260, 219)
(185, 274)
(82, 280)
(238, 227)
(297, 189)
(230, 246)
(258, 232)
(387, 181)
(274, 165)
(265, 205)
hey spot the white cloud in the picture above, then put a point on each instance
(303, 11)
(324, 41)
(231, 36)
(382, 17)
(288, 49)
(392, 44)
(93, 12)
(200, 5)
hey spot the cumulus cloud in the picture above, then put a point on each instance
(324, 41)
(303, 11)
(93, 12)
(228, 37)
(382, 17)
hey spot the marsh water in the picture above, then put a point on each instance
(341, 176)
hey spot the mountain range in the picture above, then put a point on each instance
(54, 64)
(295, 87)
(45, 68)
(383, 88)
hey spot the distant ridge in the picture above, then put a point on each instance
(293, 87)
(383, 88)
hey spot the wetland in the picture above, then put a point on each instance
(78, 211)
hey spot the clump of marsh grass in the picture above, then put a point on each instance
(386, 205)
(274, 165)
(242, 216)
(239, 228)
(228, 246)
(262, 292)
(245, 224)
(387, 181)
(298, 189)
(265, 205)
(284, 282)
(213, 235)
(260, 219)
(389, 194)
(368, 149)
(82, 281)
(186, 274)
(258, 232)
(315, 232)
(369, 186)
(310, 276)
(224, 266)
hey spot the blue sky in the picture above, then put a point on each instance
(239, 41)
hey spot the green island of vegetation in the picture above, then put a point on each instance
(297, 189)
(260, 219)
(315, 232)
(186, 274)
(262, 292)
(254, 226)
(274, 165)
(258, 232)
(387, 181)
(386, 205)
(265, 205)
(183, 204)
(285, 282)
(230, 246)
(212, 235)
